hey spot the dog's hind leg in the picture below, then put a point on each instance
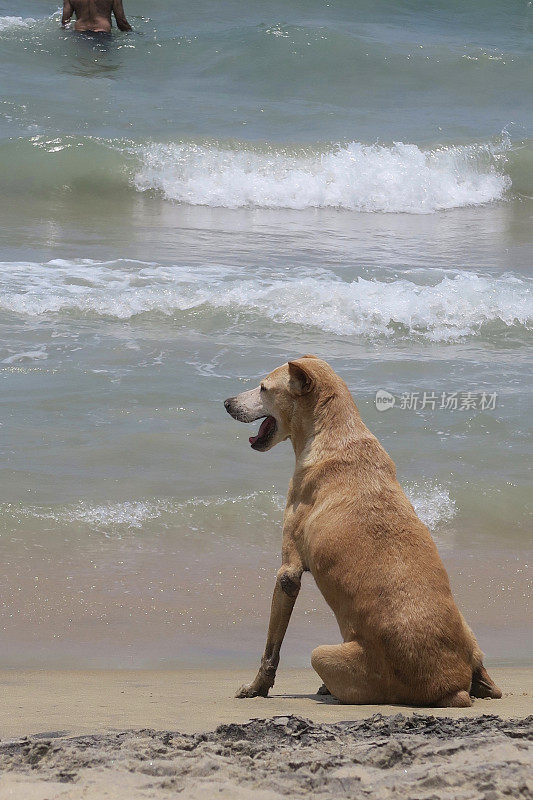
(348, 674)
(460, 699)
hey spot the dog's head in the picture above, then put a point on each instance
(285, 400)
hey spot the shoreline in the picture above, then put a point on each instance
(76, 702)
(108, 734)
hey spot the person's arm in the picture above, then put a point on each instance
(67, 12)
(118, 11)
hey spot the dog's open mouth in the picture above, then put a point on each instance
(264, 434)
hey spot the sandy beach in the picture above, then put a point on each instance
(104, 734)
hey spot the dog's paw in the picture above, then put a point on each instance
(249, 690)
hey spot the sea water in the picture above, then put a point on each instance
(185, 207)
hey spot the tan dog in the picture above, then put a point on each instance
(349, 523)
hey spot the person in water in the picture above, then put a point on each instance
(94, 16)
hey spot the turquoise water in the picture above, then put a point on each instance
(185, 207)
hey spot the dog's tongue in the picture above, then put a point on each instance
(265, 425)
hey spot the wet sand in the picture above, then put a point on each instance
(137, 734)
(195, 700)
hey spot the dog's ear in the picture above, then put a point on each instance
(301, 380)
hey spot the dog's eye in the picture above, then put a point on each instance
(263, 387)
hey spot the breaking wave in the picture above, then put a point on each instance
(454, 305)
(347, 177)
(354, 176)
(431, 502)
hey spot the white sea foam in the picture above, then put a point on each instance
(134, 513)
(432, 503)
(8, 23)
(29, 355)
(357, 177)
(452, 306)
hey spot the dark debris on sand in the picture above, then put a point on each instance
(419, 757)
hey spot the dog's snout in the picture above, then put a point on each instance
(227, 403)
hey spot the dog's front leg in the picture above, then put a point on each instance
(285, 593)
